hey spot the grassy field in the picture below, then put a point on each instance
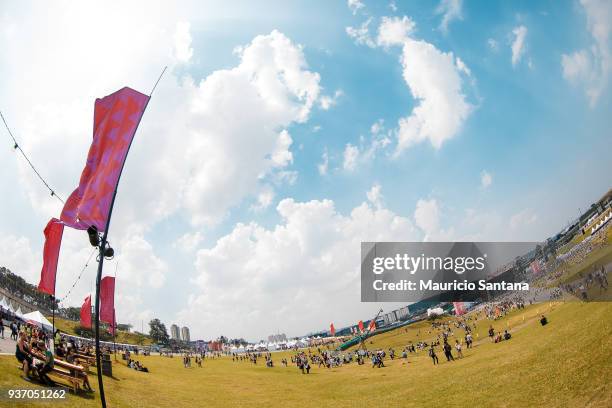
(564, 364)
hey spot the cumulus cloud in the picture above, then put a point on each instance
(435, 81)
(450, 10)
(590, 67)
(196, 138)
(518, 44)
(182, 42)
(308, 262)
(375, 196)
(188, 241)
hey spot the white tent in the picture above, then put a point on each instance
(3, 303)
(18, 312)
(37, 319)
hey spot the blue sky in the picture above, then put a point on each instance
(225, 226)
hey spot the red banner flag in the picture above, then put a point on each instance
(107, 299)
(372, 326)
(360, 326)
(53, 240)
(332, 330)
(116, 118)
(113, 326)
(86, 313)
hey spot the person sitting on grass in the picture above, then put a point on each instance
(46, 366)
(23, 355)
(507, 335)
(543, 320)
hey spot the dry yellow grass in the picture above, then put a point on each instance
(564, 364)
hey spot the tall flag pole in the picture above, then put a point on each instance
(90, 206)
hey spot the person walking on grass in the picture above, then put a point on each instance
(447, 352)
(458, 348)
(432, 354)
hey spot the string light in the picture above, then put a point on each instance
(17, 147)
(78, 277)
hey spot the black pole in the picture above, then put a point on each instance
(97, 311)
(103, 247)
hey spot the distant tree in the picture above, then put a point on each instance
(158, 331)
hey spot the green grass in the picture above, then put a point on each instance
(564, 364)
(69, 326)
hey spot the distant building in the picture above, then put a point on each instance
(185, 333)
(174, 332)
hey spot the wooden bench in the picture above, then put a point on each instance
(75, 375)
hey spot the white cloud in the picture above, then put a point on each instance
(518, 44)
(351, 155)
(264, 199)
(324, 165)
(189, 241)
(361, 34)
(182, 42)
(195, 140)
(394, 30)
(280, 270)
(375, 196)
(486, 179)
(450, 10)
(326, 102)
(591, 67)
(17, 255)
(355, 5)
(427, 218)
(434, 79)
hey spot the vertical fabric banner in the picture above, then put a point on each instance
(372, 326)
(360, 326)
(53, 240)
(113, 326)
(332, 330)
(459, 308)
(86, 313)
(116, 118)
(107, 299)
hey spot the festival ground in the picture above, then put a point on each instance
(564, 364)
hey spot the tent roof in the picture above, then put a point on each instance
(37, 318)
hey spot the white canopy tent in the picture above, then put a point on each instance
(18, 312)
(36, 318)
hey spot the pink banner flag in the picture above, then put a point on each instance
(107, 299)
(53, 240)
(372, 326)
(86, 313)
(116, 118)
(459, 308)
(332, 330)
